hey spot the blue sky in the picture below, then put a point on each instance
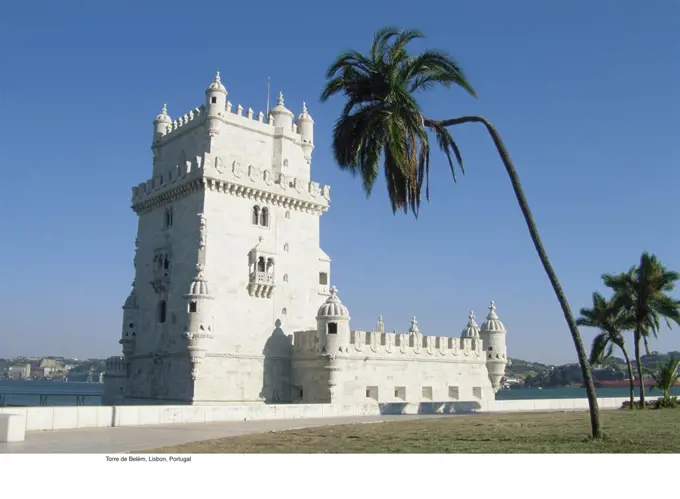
(585, 94)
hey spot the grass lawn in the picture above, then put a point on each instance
(645, 431)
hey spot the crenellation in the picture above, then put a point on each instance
(399, 344)
(253, 182)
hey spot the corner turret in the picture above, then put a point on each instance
(215, 104)
(305, 126)
(332, 322)
(160, 124)
(199, 331)
(199, 316)
(282, 116)
(493, 336)
(128, 338)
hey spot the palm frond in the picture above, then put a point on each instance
(382, 120)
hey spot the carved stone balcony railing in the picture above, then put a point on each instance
(261, 284)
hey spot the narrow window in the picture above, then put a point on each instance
(162, 309)
(256, 215)
(260, 264)
(166, 262)
(372, 392)
(400, 392)
(270, 266)
(213, 100)
(332, 328)
(453, 392)
(285, 277)
(192, 307)
(288, 214)
(285, 162)
(286, 247)
(284, 311)
(323, 278)
(264, 217)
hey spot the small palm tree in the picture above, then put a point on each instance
(381, 119)
(666, 376)
(641, 292)
(611, 321)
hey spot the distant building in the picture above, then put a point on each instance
(19, 372)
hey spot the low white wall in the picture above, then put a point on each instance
(62, 418)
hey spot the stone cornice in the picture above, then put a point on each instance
(178, 191)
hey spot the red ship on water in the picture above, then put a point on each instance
(624, 383)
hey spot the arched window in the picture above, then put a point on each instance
(284, 311)
(286, 247)
(264, 217)
(285, 277)
(288, 214)
(162, 310)
(192, 307)
(270, 266)
(256, 215)
(260, 264)
(285, 162)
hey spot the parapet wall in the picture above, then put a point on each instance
(250, 120)
(63, 418)
(399, 344)
(237, 178)
(115, 366)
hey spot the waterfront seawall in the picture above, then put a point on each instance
(73, 417)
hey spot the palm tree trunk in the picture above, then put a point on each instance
(638, 361)
(533, 231)
(631, 378)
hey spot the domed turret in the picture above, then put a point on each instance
(161, 123)
(472, 329)
(128, 339)
(199, 322)
(215, 104)
(283, 117)
(493, 336)
(305, 126)
(332, 322)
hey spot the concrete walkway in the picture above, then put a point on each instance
(139, 438)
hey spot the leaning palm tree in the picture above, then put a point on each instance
(642, 293)
(382, 119)
(611, 321)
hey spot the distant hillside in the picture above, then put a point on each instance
(532, 374)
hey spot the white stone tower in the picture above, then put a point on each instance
(229, 202)
(493, 336)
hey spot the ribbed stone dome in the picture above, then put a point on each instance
(472, 329)
(131, 300)
(163, 117)
(199, 287)
(304, 115)
(333, 308)
(216, 85)
(280, 108)
(492, 324)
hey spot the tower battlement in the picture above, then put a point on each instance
(375, 343)
(218, 115)
(247, 181)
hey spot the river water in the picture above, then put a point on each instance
(27, 393)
